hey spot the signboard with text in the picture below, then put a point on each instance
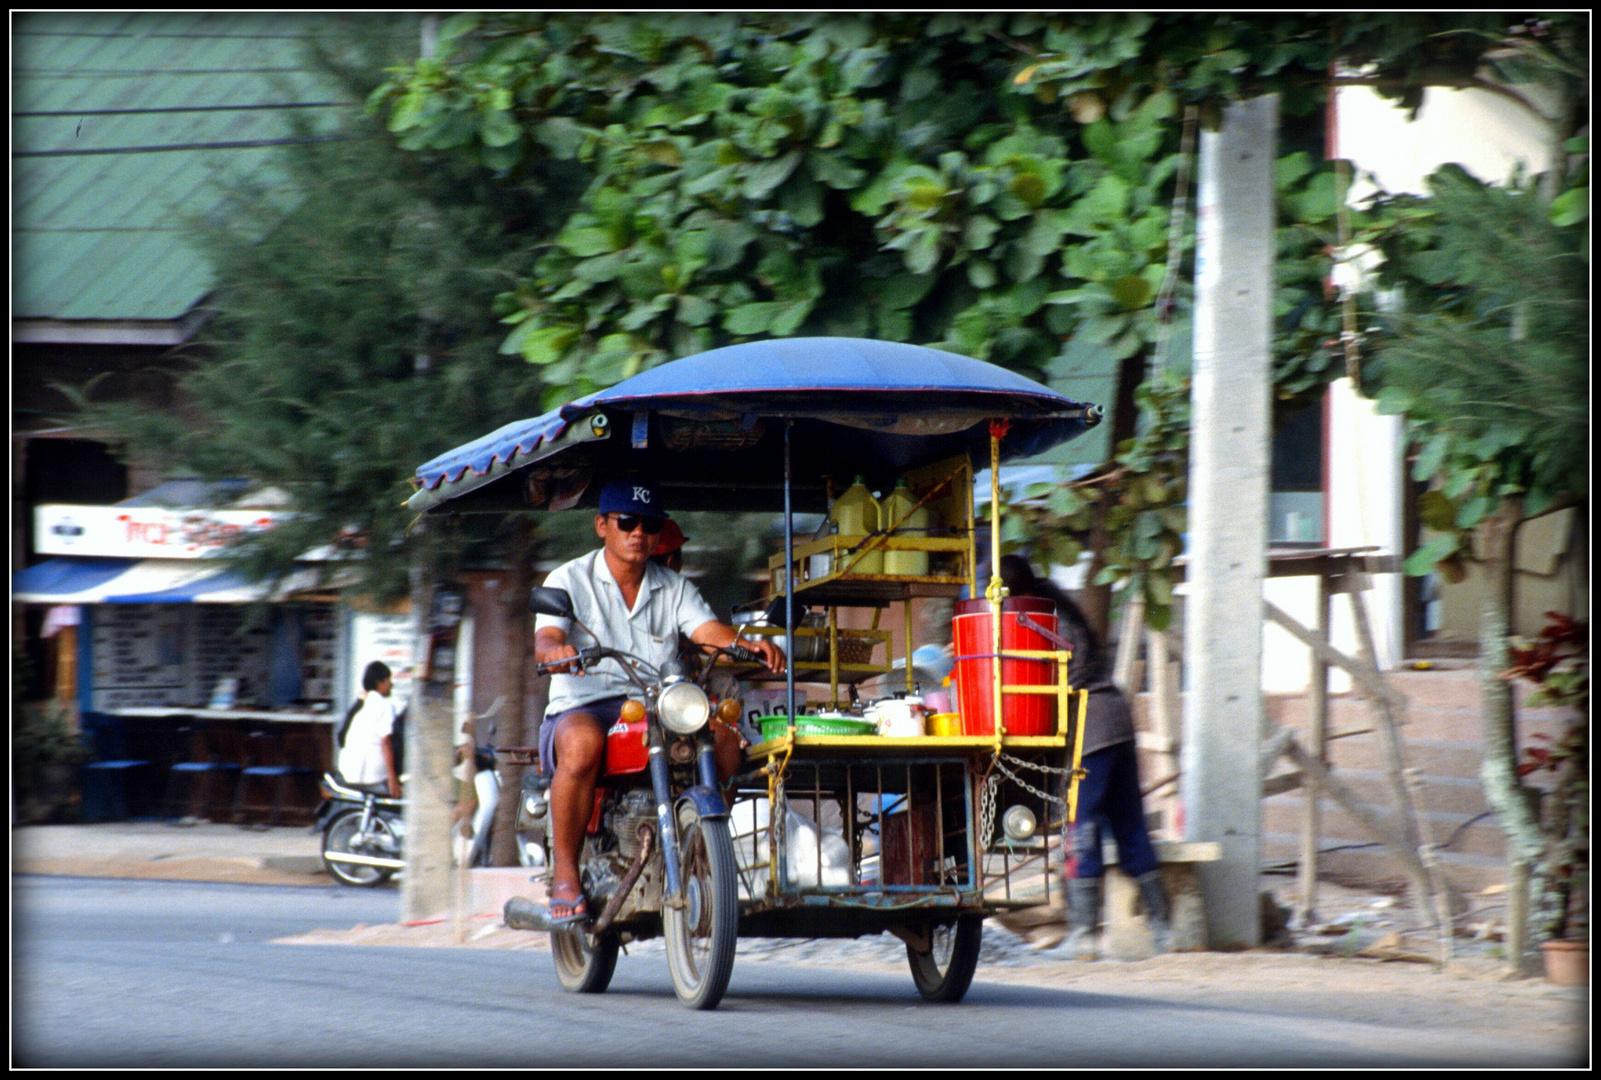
(142, 532)
(389, 638)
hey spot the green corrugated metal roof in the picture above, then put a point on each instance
(102, 234)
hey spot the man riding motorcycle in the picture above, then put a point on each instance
(633, 605)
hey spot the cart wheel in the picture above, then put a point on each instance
(946, 971)
(583, 964)
(337, 839)
(702, 933)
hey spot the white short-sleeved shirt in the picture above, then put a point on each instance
(361, 759)
(668, 604)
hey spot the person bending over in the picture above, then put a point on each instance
(1109, 793)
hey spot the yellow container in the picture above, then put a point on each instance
(945, 723)
(856, 515)
(899, 505)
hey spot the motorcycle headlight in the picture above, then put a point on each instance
(683, 708)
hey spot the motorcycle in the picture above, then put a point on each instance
(363, 834)
(657, 857)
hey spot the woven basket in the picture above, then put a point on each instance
(856, 650)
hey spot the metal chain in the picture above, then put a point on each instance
(986, 804)
(986, 811)
(1038, 767)
(1030, 788)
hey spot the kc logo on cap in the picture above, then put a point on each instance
(631, 497)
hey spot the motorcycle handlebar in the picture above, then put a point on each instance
(585, 658)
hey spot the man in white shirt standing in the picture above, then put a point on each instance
(366, 749)
(635, 606)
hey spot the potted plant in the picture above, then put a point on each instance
(1558, 663)
(45, 755)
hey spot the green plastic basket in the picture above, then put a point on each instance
(773, 727)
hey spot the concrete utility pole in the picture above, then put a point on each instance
(425, 887)
(1230, 437)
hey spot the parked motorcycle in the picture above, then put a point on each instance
(363, 834)
(658, 857)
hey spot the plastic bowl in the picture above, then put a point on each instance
(945, 723)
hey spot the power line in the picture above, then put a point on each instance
(183, 109)
(145, 73)
(241, 144)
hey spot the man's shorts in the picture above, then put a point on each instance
(607, 710)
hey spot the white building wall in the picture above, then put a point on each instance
(1489, 135)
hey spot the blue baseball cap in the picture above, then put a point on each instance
(631, 497)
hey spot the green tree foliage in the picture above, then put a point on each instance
(351, 338)
(902, 177)
(1136, 505)
(1488, 356)
(995, 185)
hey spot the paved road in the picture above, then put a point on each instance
(142, 973)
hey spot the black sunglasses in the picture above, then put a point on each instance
(629, 522)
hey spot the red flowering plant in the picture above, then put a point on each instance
(1558, 663)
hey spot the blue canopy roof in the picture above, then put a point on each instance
(77, 579)
(882, 403)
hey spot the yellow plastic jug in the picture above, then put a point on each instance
(914, 526)
(856, 514)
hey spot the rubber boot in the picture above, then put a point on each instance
(1084, 907)
(1154, 897)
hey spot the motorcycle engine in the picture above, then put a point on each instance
(629, 809)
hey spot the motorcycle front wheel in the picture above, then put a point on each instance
(701, 934)
(338, 839)
(945, 971)
(584, 964)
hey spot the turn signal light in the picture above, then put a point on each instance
(728, 710)
(633, 711)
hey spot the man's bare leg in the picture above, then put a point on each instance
(580, 746)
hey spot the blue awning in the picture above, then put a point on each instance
(73, 580)
(66, 581)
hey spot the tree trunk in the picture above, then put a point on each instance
(1096, 600)
(509, 727)
(1503, 789)
(430, 790)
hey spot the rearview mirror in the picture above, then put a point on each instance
(553, 602)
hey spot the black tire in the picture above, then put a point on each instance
(336, 838)
(945, 971)
(584, 964)
(702, 934)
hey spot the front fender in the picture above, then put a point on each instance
(324, 814)
(708, 802)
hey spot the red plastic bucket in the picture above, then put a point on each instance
(1023, 714)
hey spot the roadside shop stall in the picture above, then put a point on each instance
(197, 693)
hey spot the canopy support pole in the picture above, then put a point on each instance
(996, 591)
(789, 581)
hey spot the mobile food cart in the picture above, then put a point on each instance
(837, 829)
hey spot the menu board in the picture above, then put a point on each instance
(173, 655)
(139, 655)
(319, 636)
(228, 646)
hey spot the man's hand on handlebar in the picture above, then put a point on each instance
(561, 659)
